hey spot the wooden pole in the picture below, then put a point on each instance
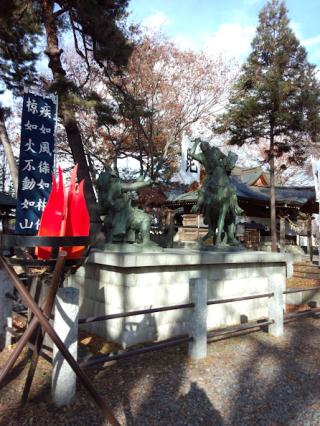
(39, 316)
(55, 284)
(32, 326)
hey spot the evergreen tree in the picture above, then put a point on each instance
(277, 96)
(19, 33)
(98, 35)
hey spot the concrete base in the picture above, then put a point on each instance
(117, 282)
(63, 384)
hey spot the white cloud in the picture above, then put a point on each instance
(231, 41)
(156, 21)
(185, 42)
(313, 46)
(296, 28)
(313, 41)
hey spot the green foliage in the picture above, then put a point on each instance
(277, 96)
(19, 34)
(96, 27)
(104, 111)
(98, 24)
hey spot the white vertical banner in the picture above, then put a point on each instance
(190, 168)
(316, 176)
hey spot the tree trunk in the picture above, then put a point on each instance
(273, 219)
(282, 234)
(309, 235)
(4, 138)
(115, 159)
(65, 112)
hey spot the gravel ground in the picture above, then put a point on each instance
(254, 379)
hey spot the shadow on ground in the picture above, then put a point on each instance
(251, 380)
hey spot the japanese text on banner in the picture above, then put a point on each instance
(36, 160)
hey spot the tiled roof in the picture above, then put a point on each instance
(284, 195)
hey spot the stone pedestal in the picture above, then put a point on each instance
(65, 324)
(117, 282)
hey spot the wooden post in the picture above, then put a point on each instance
(42, 319)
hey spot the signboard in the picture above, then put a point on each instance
(316, 176)
(36, 160)
(190, 168)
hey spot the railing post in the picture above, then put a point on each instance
(198, 318)
(5, 310)
(65, 323)
(276, 284)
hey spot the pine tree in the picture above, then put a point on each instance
(277, 96)
(19, 33)
(98, 35)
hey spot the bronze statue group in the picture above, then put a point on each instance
(217, 201)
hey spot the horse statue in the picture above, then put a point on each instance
(121, 221)
(217, 198)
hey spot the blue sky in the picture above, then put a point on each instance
(224, 26)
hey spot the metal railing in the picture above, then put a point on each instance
(298, 290)
(164, 344)
(212, 335)
(133, 313)
(130, 353)
(238, 299)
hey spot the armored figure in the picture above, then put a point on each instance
(121, 220)
(217, 198)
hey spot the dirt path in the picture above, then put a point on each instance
(250, 380)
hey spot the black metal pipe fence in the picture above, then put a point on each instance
(133, 313)
(164, 344)
(305, 313)
(233, 331)
(186, 339)
(298, 290)
(151, 348)
(180, 340)
(238, 299)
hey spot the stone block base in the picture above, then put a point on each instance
(119, 282)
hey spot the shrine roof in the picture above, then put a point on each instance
(284, 195)
(250, 175)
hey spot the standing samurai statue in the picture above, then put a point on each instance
(217, 198)
(121, 221)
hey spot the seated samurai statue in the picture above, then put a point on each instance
(122, 222)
